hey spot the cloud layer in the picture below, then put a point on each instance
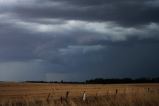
(77, 40)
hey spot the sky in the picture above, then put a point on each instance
(75, 40)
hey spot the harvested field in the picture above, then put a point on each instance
(28, 94)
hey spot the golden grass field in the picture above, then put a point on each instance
(29, 94)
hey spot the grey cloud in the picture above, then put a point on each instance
(78, 39)
(124, 12)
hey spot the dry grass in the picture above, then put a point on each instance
(20, 94)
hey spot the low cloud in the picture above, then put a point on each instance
(78, 40)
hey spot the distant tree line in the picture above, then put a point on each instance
(62, 82)
(105, 81)
(122, 80)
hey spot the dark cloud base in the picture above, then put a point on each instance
(78, 39)
(124, 12)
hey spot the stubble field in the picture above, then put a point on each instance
(29, 94)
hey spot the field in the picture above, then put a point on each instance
(28, 94)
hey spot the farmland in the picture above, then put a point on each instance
(37, 94)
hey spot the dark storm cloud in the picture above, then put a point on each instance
(124, 12)
(78, 39)
(133, 60)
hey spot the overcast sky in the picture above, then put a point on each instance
(75, 40)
